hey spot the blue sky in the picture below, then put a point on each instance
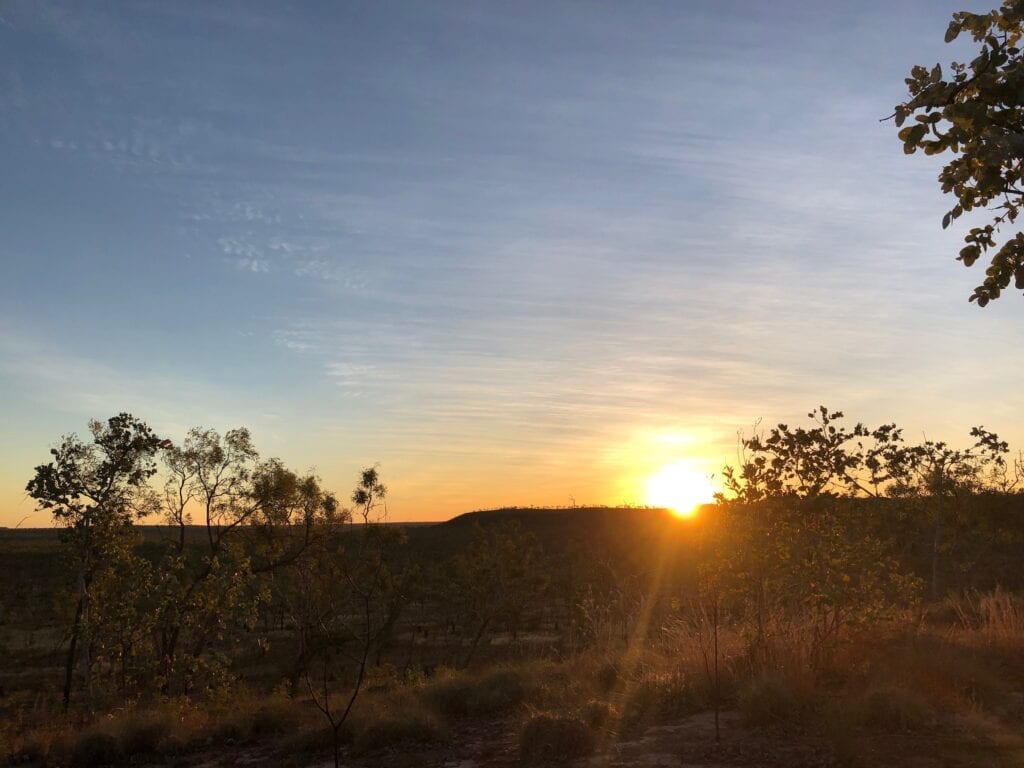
(514, 252)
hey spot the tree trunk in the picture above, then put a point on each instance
(69, 665)
(936, 544)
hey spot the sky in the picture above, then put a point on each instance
(514, 253)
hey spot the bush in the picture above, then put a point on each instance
(493, 694)
(548, 739)
(143, 735)
(413, 728)
(656, 701)
(233, 730)
(891, 709)
(275, 716)
(382, 678)
(768, 700)
(94, 749)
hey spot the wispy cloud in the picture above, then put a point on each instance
(85, 387)
(504, 251)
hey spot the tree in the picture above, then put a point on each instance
(976, 111)
(343, 601)
(826, 459)
(496, 581)
(943, 485)
(258, 518)
(95, 490)
(789, 543)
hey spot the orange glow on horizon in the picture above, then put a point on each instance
(679, 487)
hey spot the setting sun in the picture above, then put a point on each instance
(680, 488)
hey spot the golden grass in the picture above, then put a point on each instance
(957, 686)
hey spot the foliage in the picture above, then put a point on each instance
(827, 458)
(345, 601)
(259, 517)
(496, 582)
(825, 530)
(162, 621)
(789, 546)
(95, 490)
(495, 693)
(976, 111)
(410, 730)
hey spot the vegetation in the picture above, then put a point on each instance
(849, 588)
(976, 112)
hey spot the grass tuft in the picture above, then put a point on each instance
(658, 700)
(890, 709)
(495, 693)
(769, 700)
(143, 735)
(408, 729)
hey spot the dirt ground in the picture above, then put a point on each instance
(690, 743)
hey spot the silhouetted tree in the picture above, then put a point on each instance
(94, 491)
(342, 599)
(257, 516)
(976, 111)
(790, 543)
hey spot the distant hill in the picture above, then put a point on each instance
(533, 515)
(555, 528)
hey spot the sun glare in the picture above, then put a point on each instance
(680, 488)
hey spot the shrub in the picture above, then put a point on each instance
(500, 691)
(275, 716)
(493, 694)
(891, 708)
(768, 700)
(94, 749)
(143, 735)
(411, 728)
(382, 678)
(548, 739)
(232, 730)
(253, 718)
(658, 700)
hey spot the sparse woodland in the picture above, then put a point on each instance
(854, 597)
(848, 586)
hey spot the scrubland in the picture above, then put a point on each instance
(850, 601)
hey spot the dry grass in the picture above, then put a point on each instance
(956, 687)
(493, 693)
(416, 727)
(995, 617)
(171, 726)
